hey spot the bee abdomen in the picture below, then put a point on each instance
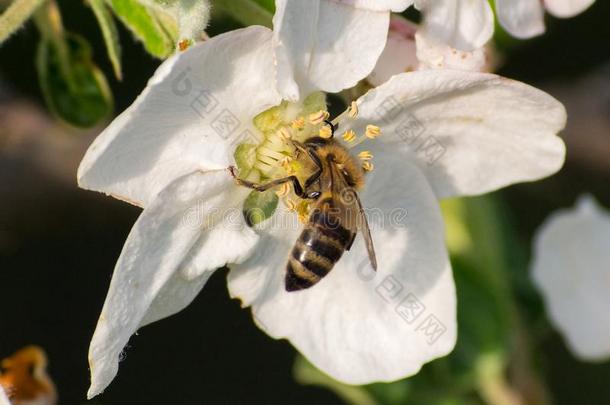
(314, 255)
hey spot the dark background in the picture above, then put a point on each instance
(58, 244)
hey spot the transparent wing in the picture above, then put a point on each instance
(352, 213)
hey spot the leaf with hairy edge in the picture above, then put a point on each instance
(144, 24)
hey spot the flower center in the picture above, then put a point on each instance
(277, 156)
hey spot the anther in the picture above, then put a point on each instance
(298, 123)
(367, 166)
(284, 133)
(349, 136)
(365, 155)
(325, 132)
(318, 117)
(283, 190)
(372, 131)
(291, 205)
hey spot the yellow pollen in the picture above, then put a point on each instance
(326, 132)
(349, 136)
(298, 124)
(303, 211)
(367, 166)
(284, 133)
(372, 131)
(353, 110)
(318, 117)
(283, 190)
(365, 155)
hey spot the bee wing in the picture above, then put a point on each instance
(363, 225)
(354, 217)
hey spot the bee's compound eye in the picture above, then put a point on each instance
(314, 195)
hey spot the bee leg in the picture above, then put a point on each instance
(315, 159)
(298, 190)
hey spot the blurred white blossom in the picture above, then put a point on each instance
(571, 268)
(409, 49)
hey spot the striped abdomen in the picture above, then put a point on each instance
(318, 248)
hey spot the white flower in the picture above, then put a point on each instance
(328, 45)
(571, 267)
(462, 24)
(399, 54)
(443, 133)
(408, 49)
(525, 18)
(468, 24)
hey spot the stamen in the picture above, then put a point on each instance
(291, 205)
(283, 190)
(284, 133)
(349, 136)
(298, 124)
(353, 110)
(372, 131)
(368, 166)
(285, 161)
(325, 132)
(318, 117)
(365, 155)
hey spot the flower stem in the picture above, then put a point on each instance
(16, 15)
(246, 12)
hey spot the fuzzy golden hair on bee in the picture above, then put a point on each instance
(341, 157)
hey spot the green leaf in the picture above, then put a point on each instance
(260, 206)
(144, 24)
(74, 88)
(16, 15)
(110, 34)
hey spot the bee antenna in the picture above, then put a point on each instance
(332, 127)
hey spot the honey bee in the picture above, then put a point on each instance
(337, 214)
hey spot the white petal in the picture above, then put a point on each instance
(196, 107)
(379, 5)
(325, 45)
(470, 133)
(521, 18)
(567, 8)
(433, 54)
(571, 268)
(177, 293)
(399, 54)
(461, 24)
(209, 253)
(356, 325)
(215, 249)
(147, 268)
